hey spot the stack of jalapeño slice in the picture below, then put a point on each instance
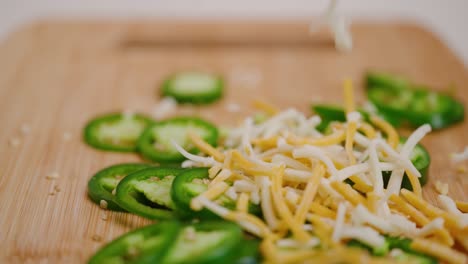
(162, 190)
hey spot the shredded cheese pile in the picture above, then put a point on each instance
(297, 176)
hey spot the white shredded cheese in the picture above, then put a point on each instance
(363, 234)
(461, 156)
(266, 204)
(25, 129)
(233, 107)
(338, 26)
(164, 108)
(315, 153)
(14, 142)
(205, 161)
(339, 223)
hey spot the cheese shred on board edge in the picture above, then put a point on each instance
(319, 191)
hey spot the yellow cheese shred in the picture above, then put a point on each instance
(265, 107)
(419, 218)
(211, 194)
(348, 193)
(268, 249)
(321, 210)
(462, 206)
(415, 184)
(297, 256)
(247, 166)
(367, 129)
(322, 230)
(335, 138)
(416, 216)
(205, 147)
(350, 132)
(462, 239)
(241, 217)
(213, 171)
(309, 194)
(360, 184)
(431, 211)
(265, 143)
(438, 250)
(283, 210)
(221, 177)
(372, 201)
(243, 202)
(392, 135)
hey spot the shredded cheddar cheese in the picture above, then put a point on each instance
(266, 107)
(317, 191)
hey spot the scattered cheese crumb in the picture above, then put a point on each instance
(461, 169)
(461, 156)
(164, 108)
(233, 107)
(14, 142)
(52, 189)
(52, 176)
(25, 129)
(249, 78)
(441, 187)
(103, 204)
(97, 238)
(66, 136)
(104, 215)
(57, 188)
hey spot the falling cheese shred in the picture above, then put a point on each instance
(298, 178)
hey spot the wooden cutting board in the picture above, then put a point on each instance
(55, 76)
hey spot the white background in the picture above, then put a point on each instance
(447, 18)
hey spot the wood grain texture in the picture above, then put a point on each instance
(55, 76)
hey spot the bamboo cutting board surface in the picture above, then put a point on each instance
(55, 76)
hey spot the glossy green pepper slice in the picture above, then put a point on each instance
(413, 104)
(103, 183)
(156, 141)
(147, 192)
(249, 252)
(192, 183)
(116, 132)
(193, 87)
(205, 242)
(144, 245)
(331, 113)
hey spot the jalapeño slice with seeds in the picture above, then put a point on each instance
(147, 192)
(116, 132)
(156, 142)
(414, 104)
(102, 185)
(193, 182)
(193, 87)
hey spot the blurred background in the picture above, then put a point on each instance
(446, 18)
